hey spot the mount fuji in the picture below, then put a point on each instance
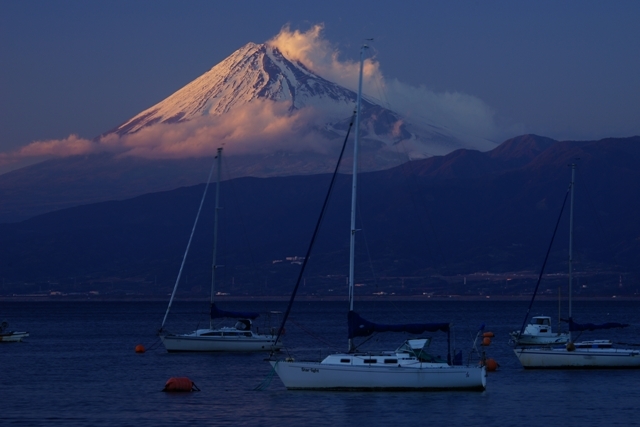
(274, 115)
(252, 72)
(262, 72)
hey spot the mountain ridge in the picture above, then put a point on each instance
(493, 221)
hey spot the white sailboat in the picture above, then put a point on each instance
(585, 354)
(409, 367)
(11, 336)
(239, 338)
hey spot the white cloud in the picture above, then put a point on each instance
(41, 150)
(317, 54)
(461, 113)
(266, 126)
(259, 127)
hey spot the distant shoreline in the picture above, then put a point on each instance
(305, 298)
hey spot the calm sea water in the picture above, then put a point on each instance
(79, 368)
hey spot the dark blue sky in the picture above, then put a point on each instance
(563, 69)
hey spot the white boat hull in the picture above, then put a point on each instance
(561, 358)
(13, 336)
(319, 376)
(194, 343)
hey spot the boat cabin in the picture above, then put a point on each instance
(539, 325)
(541, 320)
(408, 354)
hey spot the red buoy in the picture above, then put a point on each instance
(180, 384)
(491, 365)
(140, 348)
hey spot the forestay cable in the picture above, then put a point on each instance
(184, 258)
(315, 232)
(535, 291)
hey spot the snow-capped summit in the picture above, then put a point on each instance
(252, 72)
(261, 72)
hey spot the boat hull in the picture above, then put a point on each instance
(13, 336)
(319, 376)
(561, 358)
(191, 343)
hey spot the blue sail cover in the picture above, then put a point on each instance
(579, 327)
(359, 327)
(216, 313)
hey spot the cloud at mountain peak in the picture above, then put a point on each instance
(318, 55)
(463, 113)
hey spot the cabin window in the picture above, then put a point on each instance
(394, 361)
(370, 361)
(230, 334)
(345, 360)
(212, 334)
(247, 334)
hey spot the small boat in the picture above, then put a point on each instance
(409, 367)
(237, 338)
(538, 332)
(11, 336)
(579, 355)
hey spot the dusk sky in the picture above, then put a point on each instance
(562, 69)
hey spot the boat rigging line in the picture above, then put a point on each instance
(311, 334)
(315, 232)
(184, 258)
(240, 208)
(535, 291)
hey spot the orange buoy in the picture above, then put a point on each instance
(491, 365)
(486, 341)
(140, 348)
(488, 335)
(180, 384)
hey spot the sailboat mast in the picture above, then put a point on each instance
(573, 176)
(354, 185)
(215, 231)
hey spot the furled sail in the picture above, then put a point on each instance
(359, 327)
(216, 313)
